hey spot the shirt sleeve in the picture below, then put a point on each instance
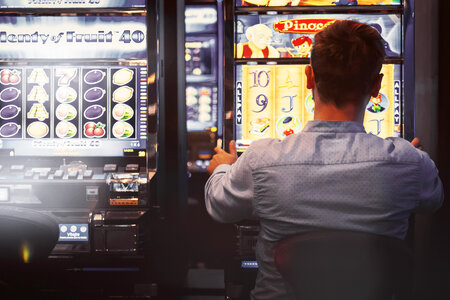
(431, 192)
(229, 191)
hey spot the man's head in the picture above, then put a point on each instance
(346, 60)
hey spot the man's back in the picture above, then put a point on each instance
(333, 175)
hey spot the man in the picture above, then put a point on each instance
(332, 175)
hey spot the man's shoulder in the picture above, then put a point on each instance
(403, 151)
(262, 148)
(269, 151)
(268, 142)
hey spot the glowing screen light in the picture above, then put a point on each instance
(74, 37)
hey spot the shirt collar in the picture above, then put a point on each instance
(333, 126)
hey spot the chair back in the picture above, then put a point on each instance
(335, 265)
(26, 235)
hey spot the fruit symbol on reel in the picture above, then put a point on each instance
(94, 130)
(65, 129)
(11, 77)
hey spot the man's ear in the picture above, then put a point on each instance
(376, 85)
(310, 83)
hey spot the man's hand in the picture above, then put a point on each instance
(222, 157)
(416, 143)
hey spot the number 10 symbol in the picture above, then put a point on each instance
(257, 76)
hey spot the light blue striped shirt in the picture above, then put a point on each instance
(332, 175)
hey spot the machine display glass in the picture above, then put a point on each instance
(291, 36)
(201, 58)
(201, 67)
(316, 2)
(76, 89)
(201, 107)
(200, 19)
(272, 101)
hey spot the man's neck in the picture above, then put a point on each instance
(329, 112)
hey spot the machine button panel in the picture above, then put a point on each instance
(109, 168)
(132, 168)
(58, 174)
(29, 174)
(99, 176)
(88, 173)
(44, 174)
(72, 174)
(17, 167)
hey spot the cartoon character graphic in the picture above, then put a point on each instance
(288, 125)
(271, 2)
(376, 104)
(303, 46)
(258, 46)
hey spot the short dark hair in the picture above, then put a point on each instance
(346, 58)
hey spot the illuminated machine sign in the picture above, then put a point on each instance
(316, 2)
(74, 37)
(291, 36)
(302, 25)
(73, 232)
(71, 108)
(272, 101)
(200, 19)
(72, 3)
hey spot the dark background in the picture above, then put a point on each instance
(439, 281)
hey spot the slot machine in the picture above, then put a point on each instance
(78, 125)
(265, 61)
(204, 55)
(204, 80)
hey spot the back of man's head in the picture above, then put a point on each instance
(346, 58)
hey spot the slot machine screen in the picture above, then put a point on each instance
(201, 58)
(202, 70)
(76, 89)
(272, 101)
(201, 107)
(271, 98)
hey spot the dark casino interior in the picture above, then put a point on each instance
(110, 111)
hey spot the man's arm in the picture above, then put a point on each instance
(431, 190)
(229, 190)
